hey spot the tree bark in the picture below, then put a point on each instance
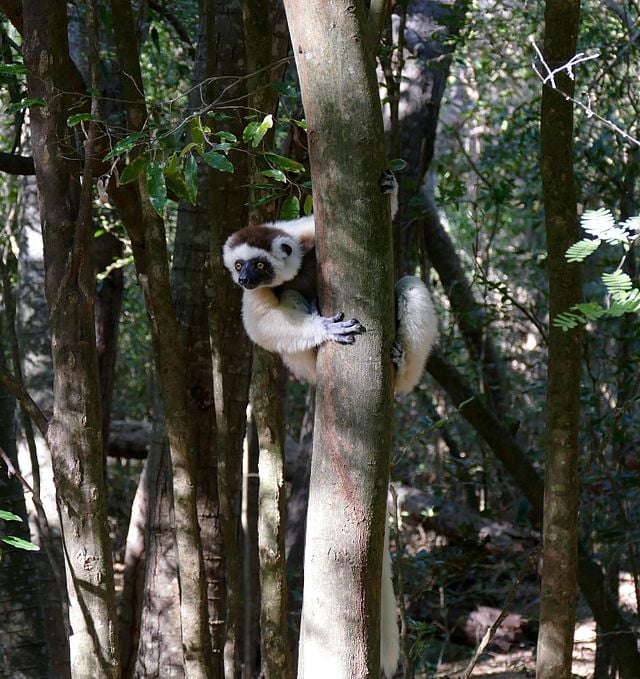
(231, 348)
(23, 653)
(191, 282)
(267, 373)
(74, 434)
(561, 494)
(149, 246)
(349, 475)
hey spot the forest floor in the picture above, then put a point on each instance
(517, 663)
(520, 663)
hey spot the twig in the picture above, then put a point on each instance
(491, 631)
(548, 78)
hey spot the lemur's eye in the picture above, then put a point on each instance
(238, 265)
(260, 266)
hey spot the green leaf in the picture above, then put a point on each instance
(283, 163)
(191, 178)
(124, 145)
(227, 136)
(592, 311)
(579, 251)
(617, 282)
(13, 69)
(290, 208)
(80, 118)
(197, 133)
(308, 205)
(133, 169)
(24, 104)
(261, 130)
(265, 200)
(9, 516)
(217, 161)
(567, 321)
(249, 131)
(278, 175)
(223, 147)
(156, 186)
(219, 116)
(286, 89)
(20, 543)
(397, 165)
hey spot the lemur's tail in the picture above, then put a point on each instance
(417, 328)
(389, 632)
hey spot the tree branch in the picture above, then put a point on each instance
(18, 391)
(14, 164)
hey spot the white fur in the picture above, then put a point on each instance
(417, 330)
(389, 632)
(285, 267)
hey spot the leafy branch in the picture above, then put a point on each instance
(623, 296)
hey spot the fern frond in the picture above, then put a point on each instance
(626, 303)
(601, 224)
(579, 251)
(632, 226)
(567, 320)
(591, 311)
(617, 284)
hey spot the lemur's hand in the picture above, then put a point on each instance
(342, 331)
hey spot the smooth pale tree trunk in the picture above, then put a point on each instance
(274, 646)
(74, 433)
(560, 522)
(340, 635)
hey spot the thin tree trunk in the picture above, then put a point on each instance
(191, 280)
(340, 635)
(74, 432)
(267, 373)
(149, 246)
(560, 524)
(229, 343)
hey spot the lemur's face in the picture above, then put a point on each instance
(261, 256)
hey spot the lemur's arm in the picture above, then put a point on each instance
(290, 324)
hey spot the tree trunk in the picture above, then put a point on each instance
(191, 282)
(74, 434)
(23, 652)
(149, 246)
(349, 475)
(267, 373)
(159, 651)
(560, 524)
(229, 343)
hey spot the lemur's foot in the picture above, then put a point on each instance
(397, 354)
(388, 182)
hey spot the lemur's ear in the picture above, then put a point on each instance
(283, 247)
